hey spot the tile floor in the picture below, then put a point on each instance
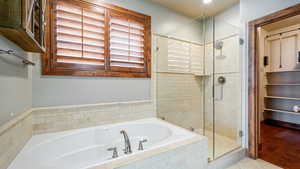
(248, 163)
(223, 144)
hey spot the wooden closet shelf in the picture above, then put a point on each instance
(282, 111)
(282, 84)
(297, 70)
(278, 97)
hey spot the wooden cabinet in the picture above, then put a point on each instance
(23, 22)
(283, 51)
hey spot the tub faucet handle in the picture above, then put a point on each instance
(115, 152)
(141, 147)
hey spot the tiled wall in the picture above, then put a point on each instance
(179, 99)
(72, 117)
(13, 136)
(15, 133)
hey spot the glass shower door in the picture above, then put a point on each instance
(227, 88)
(198, 82)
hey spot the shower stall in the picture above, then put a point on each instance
(198, 82)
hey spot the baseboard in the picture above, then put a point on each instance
(282, 124)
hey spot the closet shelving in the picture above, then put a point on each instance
(285, 98)
(282, 84)
(282, 111)
(280, 54)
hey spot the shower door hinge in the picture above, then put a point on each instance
(241, 133)
(241, 41)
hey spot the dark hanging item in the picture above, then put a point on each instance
(266, 60)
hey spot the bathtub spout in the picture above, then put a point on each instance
(127, 149)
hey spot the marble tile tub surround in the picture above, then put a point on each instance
(187, 154)
(53, 119)
(15, 133)
(13, 136)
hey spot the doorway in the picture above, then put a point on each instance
(274, 88)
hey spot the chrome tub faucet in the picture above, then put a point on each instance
(127, 149)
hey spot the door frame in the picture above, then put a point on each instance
(253, 74)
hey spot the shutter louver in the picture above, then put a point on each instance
(126, 44)
(178, 56)
(79, 34)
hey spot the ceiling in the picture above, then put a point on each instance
(196, 8)
(283, 23)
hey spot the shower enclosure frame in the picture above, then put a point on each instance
(253, 74)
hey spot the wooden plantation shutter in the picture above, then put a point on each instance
(127, 44)
(96, 39)
(79, 34)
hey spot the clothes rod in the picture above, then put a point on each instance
(282, 32)
(12, 52)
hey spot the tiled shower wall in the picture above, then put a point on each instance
(180, 99)
(225, 110)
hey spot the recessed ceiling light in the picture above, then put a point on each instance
(207, 1)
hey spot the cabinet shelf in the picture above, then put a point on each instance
(282, 111)
(278, 97)
(296, 70)
(282, 84)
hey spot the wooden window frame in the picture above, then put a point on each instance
(51, 67)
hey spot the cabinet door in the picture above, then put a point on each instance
(289, 51)
(274, 46)
(34, 19)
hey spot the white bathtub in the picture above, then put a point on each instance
(87, 148)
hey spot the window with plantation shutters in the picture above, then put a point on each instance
(127, 43)
(96, 39)
(79, 34)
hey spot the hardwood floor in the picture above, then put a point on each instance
(280, 146)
